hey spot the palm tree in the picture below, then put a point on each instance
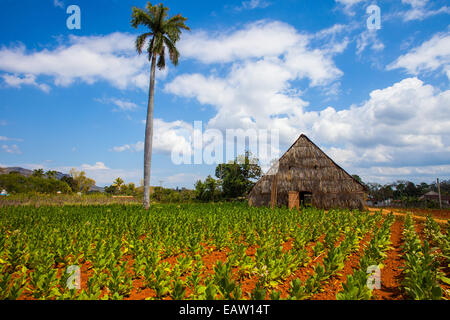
(51, 174)
(163, 32)
(38, 173)
(118, 183)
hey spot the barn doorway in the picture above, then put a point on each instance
(305, 198)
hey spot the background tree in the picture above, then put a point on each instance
(163, 32)
(17, 183)
(51, 174)
(423, 188)
(208, 190)
(399, 192)
(38, 173)
(444, 186)
(237, 178)
(71, 183)
(358, 178)
(112, 189)
(83, 183)
(118, 183)
(129, 189)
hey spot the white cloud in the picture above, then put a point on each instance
(417, 174)
(405, 125)
(123, 105)
(256, 92)
(139, 146)
(415, 3)
(13, 149)
(111, 58)
(420, 11)
(349, 2)
(58, 3)
(3, 138)
(421, 14)
(104, 175)
(172, 136)
(368, 38)
(256, 40)
(167, 137)
(183, 178)
(334, 39)
(331, 31)
(271, 41)
(17, 81)
(96, 166)
(432, 55)
(348, 5)
(253, 4)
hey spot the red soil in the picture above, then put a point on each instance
(391, 274)
(333, 285)
(435, 213)
(440, 216)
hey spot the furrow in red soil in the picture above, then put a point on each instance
(332, 286)
(391, 274)
(303, 272)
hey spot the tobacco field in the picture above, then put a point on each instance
(219, 251)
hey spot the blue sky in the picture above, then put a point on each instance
(376, 101)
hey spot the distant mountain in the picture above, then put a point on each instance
(59, 175)
(27, 172)
(22, 171)
(97, 189)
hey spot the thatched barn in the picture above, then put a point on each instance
(305, 174)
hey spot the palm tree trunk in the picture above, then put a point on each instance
(149, 136)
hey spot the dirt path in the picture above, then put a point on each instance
(402, 214)
(391, 274)
(333, 286)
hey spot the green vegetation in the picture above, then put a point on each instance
(46, 183)
(407, 192)
(440, 239)
(355, 288)
(81, 183)
(421, 266)
(15, 183)
(201, 251)
(117, 244)
(120, 188)
(235, 180)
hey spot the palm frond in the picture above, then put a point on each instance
(158, 45)
(140, 41)
(164, 32)
(178, 21)
(173, 51)
(162, 60)
(140, 17)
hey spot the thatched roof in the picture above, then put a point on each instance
(304, 167)
(274, 168)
